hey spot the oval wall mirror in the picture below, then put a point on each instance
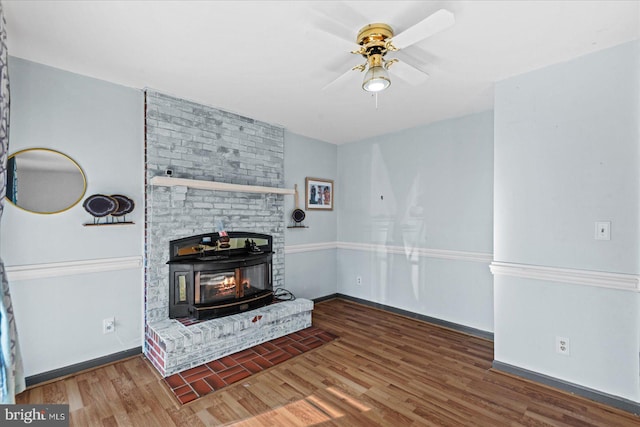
(44, 181)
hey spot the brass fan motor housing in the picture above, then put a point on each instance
(377, 32)
(374, 39)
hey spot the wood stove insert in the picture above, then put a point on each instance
(218, 274)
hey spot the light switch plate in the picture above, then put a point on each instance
(603, 230)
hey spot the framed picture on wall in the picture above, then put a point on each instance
(319, 194)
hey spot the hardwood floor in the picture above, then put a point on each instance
(383, 370)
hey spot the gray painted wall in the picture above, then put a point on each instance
(566, 155)
(99, 125)
(310, 274)
(424, 188)
(567, 150)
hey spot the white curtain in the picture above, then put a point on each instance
(11, 372)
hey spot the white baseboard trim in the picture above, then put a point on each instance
(627, 282)
(69, 268)
(371, 247)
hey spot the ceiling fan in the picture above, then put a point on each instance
(378, 39)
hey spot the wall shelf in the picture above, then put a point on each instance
(165, 181)
(108, 223)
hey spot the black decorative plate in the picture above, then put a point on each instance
(125, 205)
(100, 205)
(298, 215)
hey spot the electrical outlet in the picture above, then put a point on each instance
(108, 325)
(562, 346)
(359, 280)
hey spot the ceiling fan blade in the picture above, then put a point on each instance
(345, 36)
(339, 14)
(432, 24)
(342, 79)
(408, 73)
(338, 19)
(340, 43)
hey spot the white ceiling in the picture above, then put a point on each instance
(269, 60)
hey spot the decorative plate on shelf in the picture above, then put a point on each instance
(100, 205)
(125, 205)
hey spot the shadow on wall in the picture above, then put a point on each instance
(397, 225)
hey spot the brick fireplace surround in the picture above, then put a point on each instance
(204, 143)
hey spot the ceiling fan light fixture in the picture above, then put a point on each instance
(376, 79)
(377, 39)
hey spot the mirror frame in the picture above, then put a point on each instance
(82, 174)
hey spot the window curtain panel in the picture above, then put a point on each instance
(11, 372)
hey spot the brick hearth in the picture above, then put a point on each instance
(173, 346)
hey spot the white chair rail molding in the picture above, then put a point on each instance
(627, 282)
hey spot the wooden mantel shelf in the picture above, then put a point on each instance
(165, 181)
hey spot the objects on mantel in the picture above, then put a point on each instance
(112, 208)
(298, 214)
(168, 181)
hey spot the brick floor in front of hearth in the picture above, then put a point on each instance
(196, 382)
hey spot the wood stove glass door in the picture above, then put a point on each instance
(255, 279)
